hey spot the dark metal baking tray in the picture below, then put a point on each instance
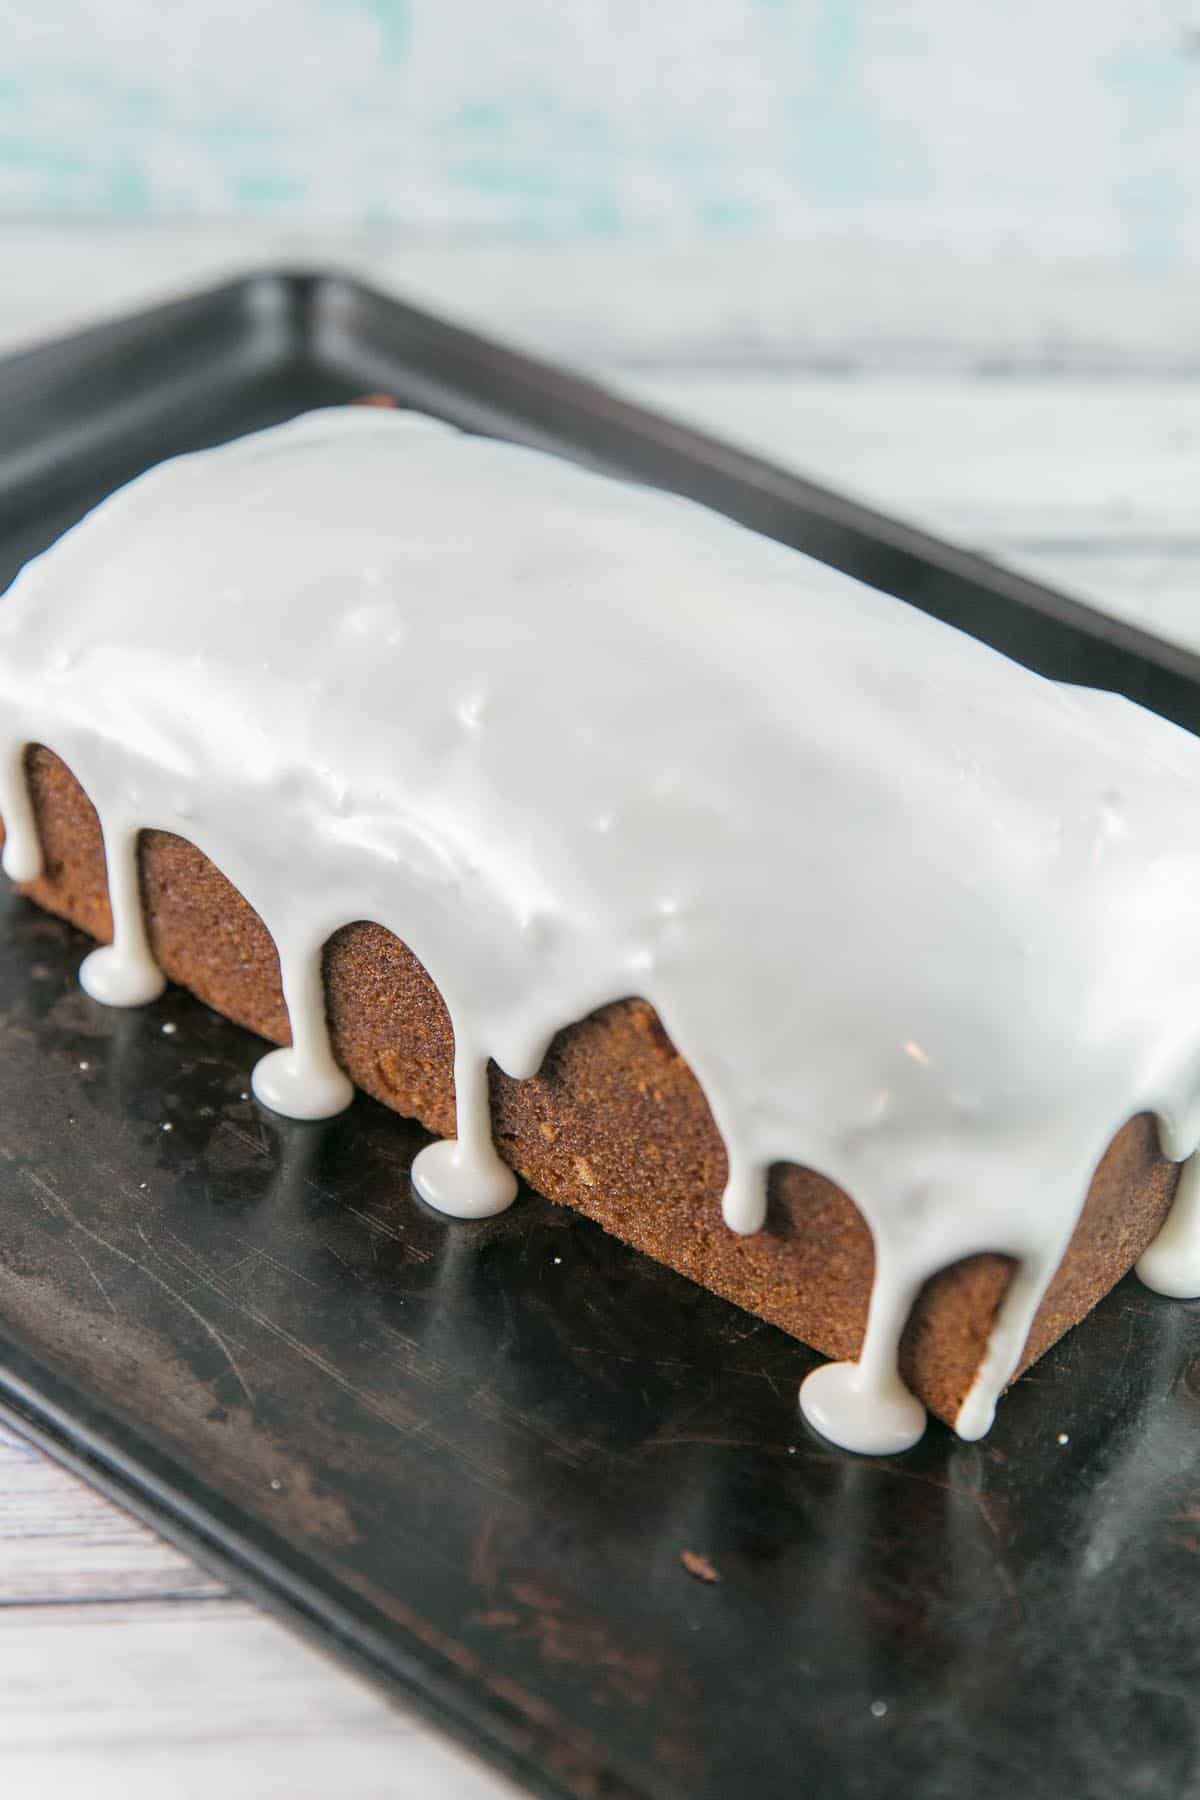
(468, 1458)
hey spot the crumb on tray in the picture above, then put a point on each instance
(698, 1565)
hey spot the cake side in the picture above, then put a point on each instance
(615, 1124)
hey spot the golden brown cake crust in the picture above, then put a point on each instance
(614, 1125)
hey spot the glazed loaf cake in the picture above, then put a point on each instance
(615, 1124)
(805, 944)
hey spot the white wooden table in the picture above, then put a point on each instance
(1050, 417)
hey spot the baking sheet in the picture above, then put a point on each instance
(470, 1458)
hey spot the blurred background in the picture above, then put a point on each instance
(1059, 132)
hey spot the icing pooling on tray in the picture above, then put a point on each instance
(916, 918)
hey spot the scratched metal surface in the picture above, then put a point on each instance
(470, 1457)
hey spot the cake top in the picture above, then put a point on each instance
(917, 918)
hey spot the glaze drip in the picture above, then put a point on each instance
(302, 1080)
(1171, 1265)
(916, 918)
(463, 1175)
(865, 1405)
(123, 973)
(22, 859)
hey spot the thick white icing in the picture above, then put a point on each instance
(123, 973)
(916, 918)
(1171, 1264)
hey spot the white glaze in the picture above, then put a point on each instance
(302, 1081)
(123, 973)
(1171, 1265)
(916, 918)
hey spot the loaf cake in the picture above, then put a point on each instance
(806, 944)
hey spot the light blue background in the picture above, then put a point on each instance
(974, 124)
